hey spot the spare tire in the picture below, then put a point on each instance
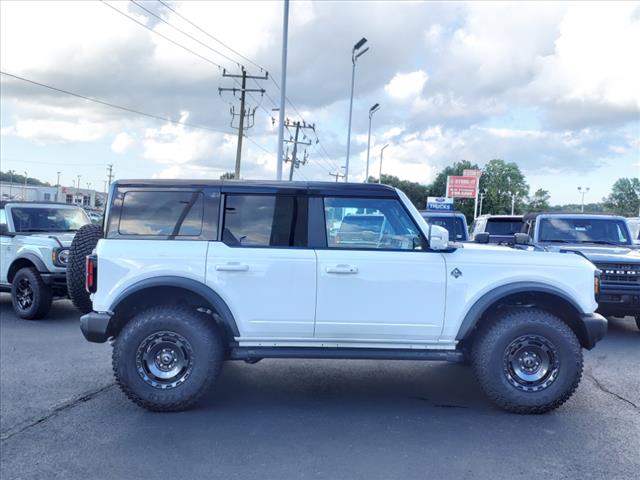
(83, 244)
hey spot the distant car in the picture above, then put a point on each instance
(34, 245)
(606, 241)
(95, 217)
(501, 228)
(634, 226)
(454, 222)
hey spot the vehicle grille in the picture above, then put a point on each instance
(620, 273)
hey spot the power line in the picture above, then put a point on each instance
(212, 37)
(163, 36)
(112, 105)
(184, 33)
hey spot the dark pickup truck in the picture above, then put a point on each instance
(606, 241)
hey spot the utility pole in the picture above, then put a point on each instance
(110, 176)
(513, 203)
(11, 172)
(283, 88)
(337, 175)
(295, 163)
(243, 90)
(24, 188)
(381, 155)
(58, 181)
(482, 195)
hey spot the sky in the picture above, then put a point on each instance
(553, 87)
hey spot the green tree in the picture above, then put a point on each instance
(499, 181)
(439, 186)
(539, 201)
(228, 176)
(416, 192)
(625, 197)
(17, 178)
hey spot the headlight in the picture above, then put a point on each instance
(60, 257)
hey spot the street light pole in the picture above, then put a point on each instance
(354, 58)
(482, 194)
(10, 184)
(372, 110)
(283, 87)
(24, 187)
(513, 203)
(381, 154)
(583, 192)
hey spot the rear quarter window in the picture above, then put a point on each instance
(179, 214)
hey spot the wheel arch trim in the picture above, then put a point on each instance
(37, 262)
(222, 309)
(475, 313)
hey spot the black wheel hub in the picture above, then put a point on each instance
(531, 363)
(24, 294)
(164, 360)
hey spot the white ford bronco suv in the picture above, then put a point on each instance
(34, 248)
(192, 273)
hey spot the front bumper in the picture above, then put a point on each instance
(595, 326)
(94, 326)
(619, 300)
(54, 279)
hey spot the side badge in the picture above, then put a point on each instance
(455, 273)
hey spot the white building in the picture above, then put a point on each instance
(37, 193)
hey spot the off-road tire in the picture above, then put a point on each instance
(638, 321)
(41, 294)
(83, 244)
(489, 354)
(198, 329)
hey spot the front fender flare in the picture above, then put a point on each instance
(475, 313)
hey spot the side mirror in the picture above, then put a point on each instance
(4, 229)
(521, 239)
(438, 237)
(482, 237)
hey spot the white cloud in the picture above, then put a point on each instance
(404, 86)
(122, 142)
(56, 131)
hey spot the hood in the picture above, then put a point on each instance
(602, 253)
(65, 238)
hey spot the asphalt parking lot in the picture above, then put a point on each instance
(61, 416)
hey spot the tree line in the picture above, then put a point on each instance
(501, 179)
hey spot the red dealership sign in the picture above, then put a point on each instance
(462, 187)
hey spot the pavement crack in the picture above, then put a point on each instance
(604, 389)
(21, 427)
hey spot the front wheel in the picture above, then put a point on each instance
(30, 297)
(528, 361)
(167, 357)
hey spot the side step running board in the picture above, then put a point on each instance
(257, 353)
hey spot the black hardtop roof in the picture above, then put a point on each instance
(530, 216)
(266, 186)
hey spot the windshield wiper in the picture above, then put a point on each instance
(33, 230)
(557, 240)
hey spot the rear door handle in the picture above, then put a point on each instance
(343, 269)
(232, 267)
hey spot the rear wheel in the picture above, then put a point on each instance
(84, 241)
(30, 297)
(167, 357)
(528, 361)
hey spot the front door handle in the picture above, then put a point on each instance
(232, 267)
(344, 269)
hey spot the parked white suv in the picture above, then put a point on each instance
(34, 251)
(192, 273)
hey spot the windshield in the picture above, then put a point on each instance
(48, 219)
(503, 226)
(357, 223)
(454, 225)
(587, 230)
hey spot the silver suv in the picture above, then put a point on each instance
(34, 249)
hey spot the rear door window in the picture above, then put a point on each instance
(263, 220)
